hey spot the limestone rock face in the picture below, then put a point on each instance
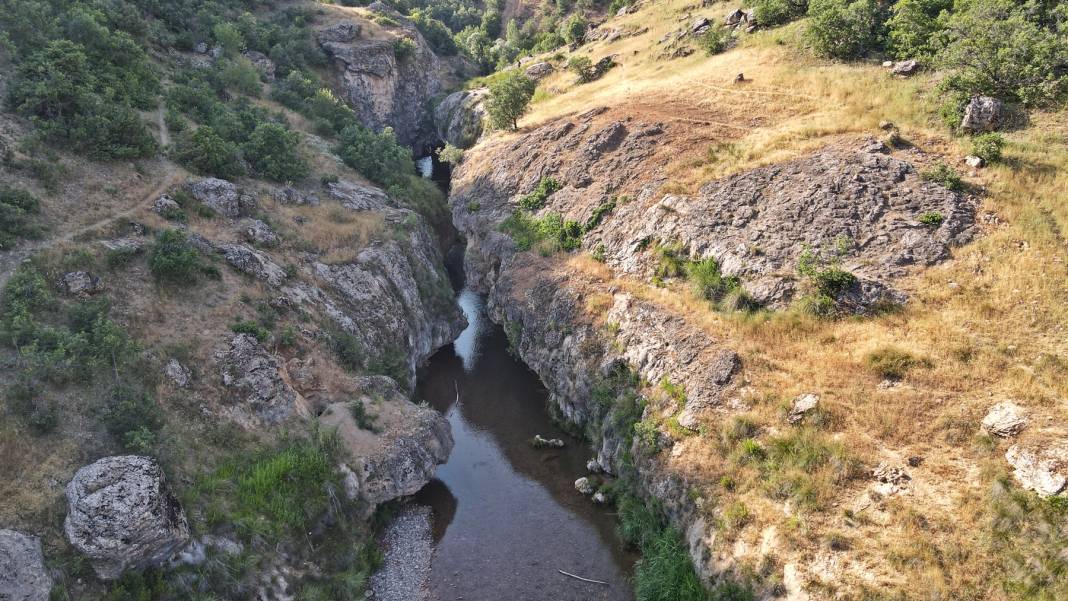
(539, 71)
(263, 64)
(165, 204)
(81, 284)
(23, 576)
(123, 515)
(845, 204)
(458, 118)
(253, 262)
(1040, 467)
(983, 113)
(394, 297)
(256, 374)
(178, 373)
(221, 196)
(259, 233)
(386, 90)
(1005, 419)
(400, 455)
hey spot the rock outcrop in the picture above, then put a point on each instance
(221, 196)
(1041, 467)
(844, 205)
(257, 377)
(395, 455)
(394, 296)
(385, 88)
(983, 113)
(1005, 419)
(123, 515)
(81, 284)
(458, 118)
(253, 262)
(23, 576)
(259, 233)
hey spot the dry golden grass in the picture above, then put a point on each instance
(991, 324)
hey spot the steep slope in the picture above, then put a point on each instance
(805, 456)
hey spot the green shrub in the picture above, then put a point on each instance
(770, 13)
(536, 199)
(582, 67)
(931, 218)
(736, 516)
(945, 175)
(913, 28)
(1005, 49)
(274, 152)
(509, 99)
(549, 234)
(435, 32)
(204, 151)
(241, 76)
(348, 348)
(669, 261)
(599, 214)
(403, 48)
(707, 280)
(450, 154)
(890, 362)
(573, 29)
(247, 326)
(364, 420)
(22, 399)
(173, 260)
(378, 157)
(137, 586)
(292, 91)
(17, 210)
(842, 29)
(715, 40)
(134, 419)
(988, 146)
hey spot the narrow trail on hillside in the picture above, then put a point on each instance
(171, 174)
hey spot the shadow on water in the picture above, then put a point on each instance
(507, 516)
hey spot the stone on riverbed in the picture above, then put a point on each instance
(540, 442)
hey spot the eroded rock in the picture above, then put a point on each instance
(123, 515)
(257, 232)
(983, 113)
(178, 373)
(584, 486)
(1005, 419)
(1041, 467)
(801, 406)
(82, 284)
(256, 374)
(221, 196)
(402, 452)
(459, 117)
(23, 575)
(253, 262)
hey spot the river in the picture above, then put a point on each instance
(506, 516)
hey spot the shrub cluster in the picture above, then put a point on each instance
(17, 211)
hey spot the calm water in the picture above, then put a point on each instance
(506, 515)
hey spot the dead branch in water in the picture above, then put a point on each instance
(581, 578)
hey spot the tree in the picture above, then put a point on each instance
(573, 30)
(377, 157)
(994, 49)
(229, 38)
(778, 12)
(914, 26)
(842, 29)
(205, 151)
(509, 98)
(274, 152)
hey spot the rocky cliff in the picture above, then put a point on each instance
(853, 205)
(389, 74)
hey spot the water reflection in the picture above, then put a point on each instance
(507, 516)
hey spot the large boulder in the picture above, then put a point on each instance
(23, 576)
(257, 375)
(458, 118)
(123, 515)
(81, 284)
(395, 449)
(1040, 467)
(983, 113)
(221, 196)
(1005, 419)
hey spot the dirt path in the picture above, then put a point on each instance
(10, 260)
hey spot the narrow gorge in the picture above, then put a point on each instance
(443, 300)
